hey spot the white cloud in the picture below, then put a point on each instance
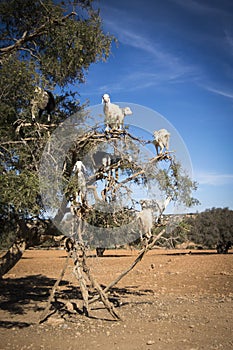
(154, 63)
(142, 79)
(221, 92)
(132, 31)
(130, 37)
(214, 179)
(157, 65)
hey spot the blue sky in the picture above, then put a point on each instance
(176, 58)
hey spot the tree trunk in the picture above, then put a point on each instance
(12, 256)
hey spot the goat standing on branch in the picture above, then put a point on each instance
(78, 170)
(145, 219)
(161, 140)
(43, 101)
(114, 114)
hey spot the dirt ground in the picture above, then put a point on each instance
(171, 300)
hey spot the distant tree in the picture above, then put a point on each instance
(211, 226)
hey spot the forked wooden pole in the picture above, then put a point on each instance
(84, 275)
(136, 261)
(82, 272)
(102, 295)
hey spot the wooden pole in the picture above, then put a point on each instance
(79, 273)
(45, 313)
(102, 295)
(136, 261)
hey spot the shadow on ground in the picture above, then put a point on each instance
(20, 296)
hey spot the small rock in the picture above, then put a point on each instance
(150, 342)
(70, 306)
(55, 321)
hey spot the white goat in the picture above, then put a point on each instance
(145, 218)
(78, 169)
(161, 140)
(114, 114)
(121, 116)
(43, 101)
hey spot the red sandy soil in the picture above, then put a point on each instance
(171, 300)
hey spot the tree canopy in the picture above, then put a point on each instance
(58, 39)
(50, 44)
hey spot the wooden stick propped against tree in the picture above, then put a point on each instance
(136, 261)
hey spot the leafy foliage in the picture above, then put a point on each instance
(61, 38)
(50, 44)
(211, 226)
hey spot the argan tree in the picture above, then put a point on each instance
(50, 44)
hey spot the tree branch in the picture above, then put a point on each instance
(26, 37)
